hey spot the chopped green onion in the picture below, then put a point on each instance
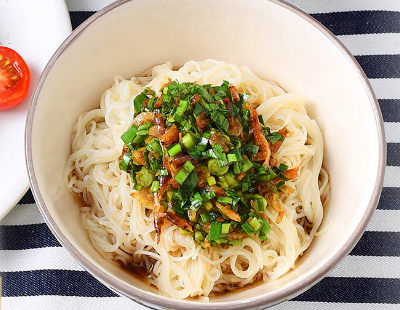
(155, 187)
(145, 126)
(154, 145)
(211, 180)
(215, 230)
(229, 180)
(254, 223)
(138, 101)
(138, 187)
(235, 242)
(196, 201)
(198, 236)
(198, 109)
(279, 185)
(182, 107)
(205, 217)
(185, 232)
(220, 120)
(124, 164)
(151, 103)
(221, 156)
(144, 178)
(220, 241)
(251, 150)
(164, 172)
(232, 158)
(265, 228)
(174, 150)
(208, 195)
(247, 165)
(128, 135)
(225, 200)
(208, 206)
(182, 175)
(260, 204)
(138, 139)
(215, 168)
(170, 194)
(188, 141)
(247, 228)
(246, 183)
(236, 168)
(283, 167)
(142, 132)
(225, 228)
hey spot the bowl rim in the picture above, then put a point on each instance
(148, 298)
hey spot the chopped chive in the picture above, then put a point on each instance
(174, 150)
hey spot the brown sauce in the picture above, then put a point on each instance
(139, 271)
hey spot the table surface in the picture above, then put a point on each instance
(34, 266)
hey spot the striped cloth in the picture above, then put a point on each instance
(37, 273)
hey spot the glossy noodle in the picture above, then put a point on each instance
(121, 227)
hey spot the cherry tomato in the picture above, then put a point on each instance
(14, 78)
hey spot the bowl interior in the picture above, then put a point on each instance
(276, 43)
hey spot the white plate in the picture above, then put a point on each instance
(34, 29)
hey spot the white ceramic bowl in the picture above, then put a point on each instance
(277, 42)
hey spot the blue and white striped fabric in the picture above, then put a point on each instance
(37, 273)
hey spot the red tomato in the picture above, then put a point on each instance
(14, 78)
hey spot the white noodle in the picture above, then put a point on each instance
(118, 226)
